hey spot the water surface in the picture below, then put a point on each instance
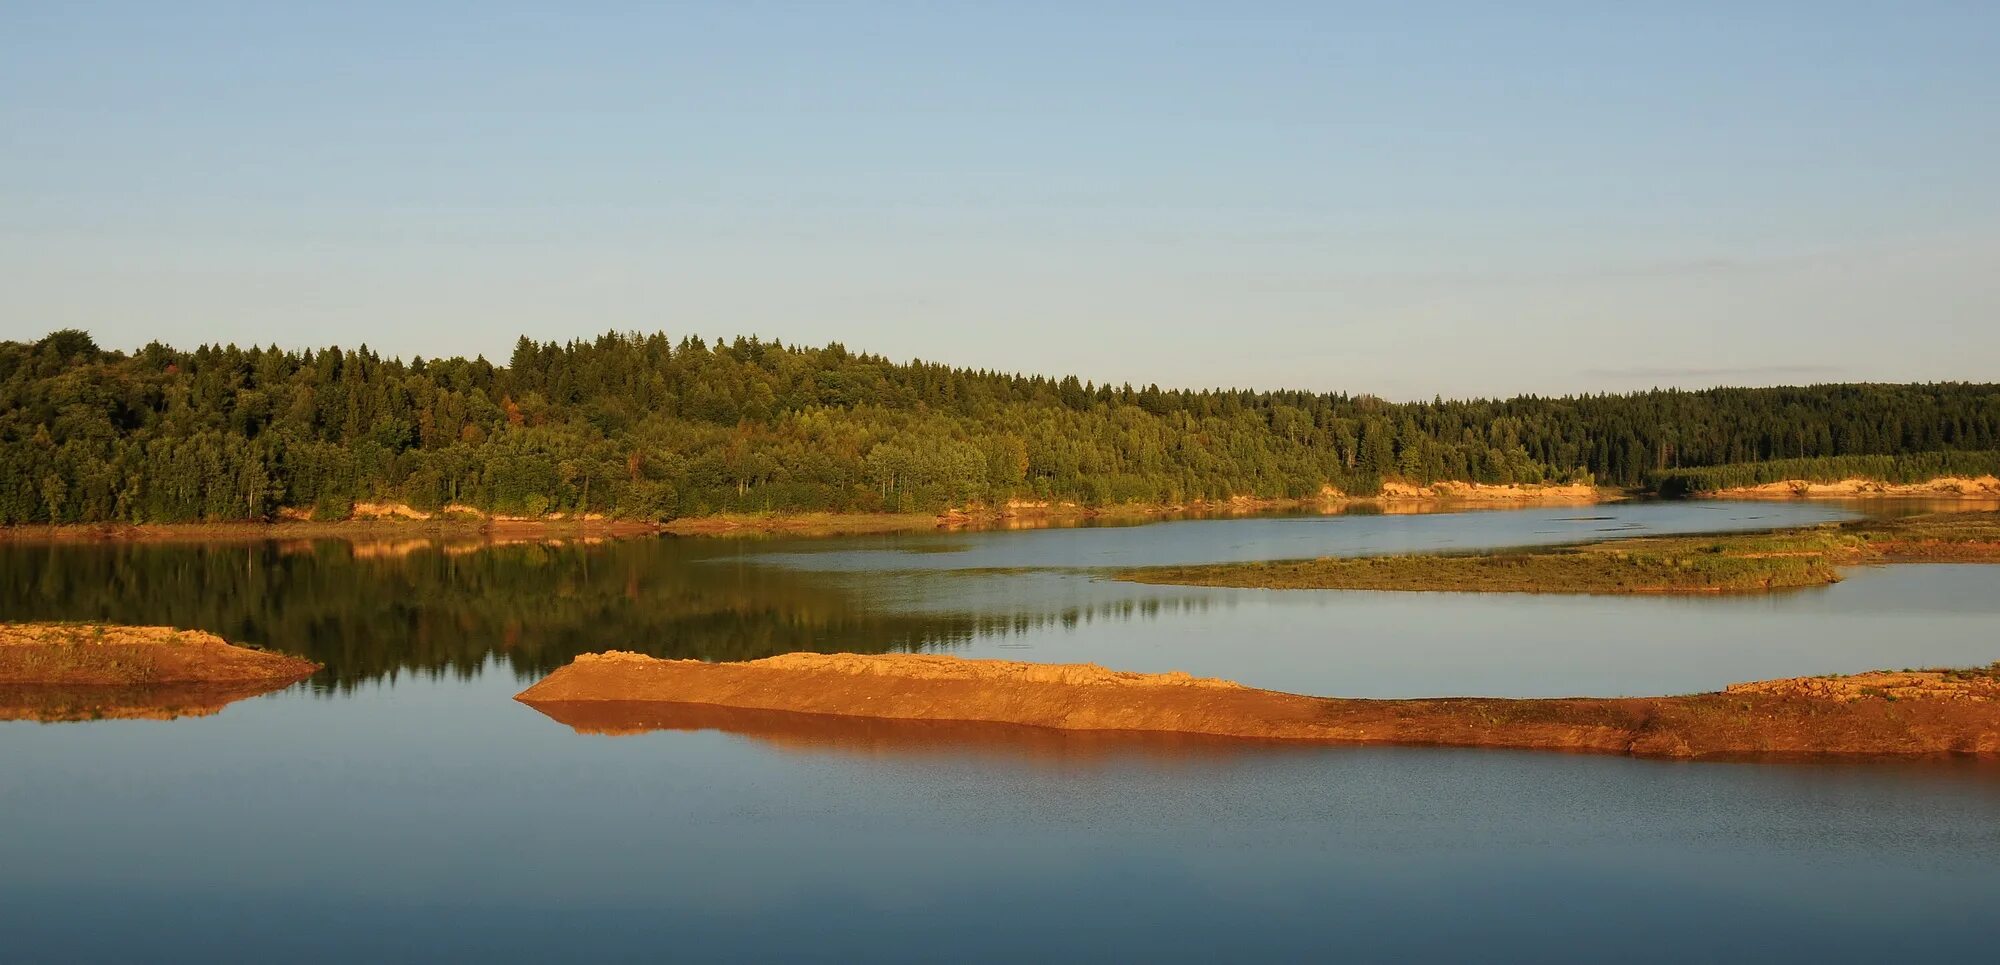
(401, 806)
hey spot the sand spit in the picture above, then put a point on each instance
(65, 671)
(80, 654)
(1951, 712)
(1943, 487)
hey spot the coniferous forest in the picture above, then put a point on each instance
(643, 426)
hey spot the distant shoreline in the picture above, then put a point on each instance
(1942, 487)
(396, 521)
(284, 529)
(1782, 559)
(393, 521)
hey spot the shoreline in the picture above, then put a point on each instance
(390, 520)
(394, 521)
(1902, 713)
(292, 529)
(1982, 488)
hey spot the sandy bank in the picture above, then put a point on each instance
(74, 654)
(1955, 713)
(64, 672)
(1512, 493)
(1943, 487)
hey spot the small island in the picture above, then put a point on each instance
(1888, 713)
(1733, 563)
(72, 671)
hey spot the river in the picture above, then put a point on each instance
(401, 806)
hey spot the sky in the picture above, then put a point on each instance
(1409, 199)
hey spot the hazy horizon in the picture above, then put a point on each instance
(1451, 201)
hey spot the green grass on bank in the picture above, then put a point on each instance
(1570, 571)
(1913, 467)
(1732, 563)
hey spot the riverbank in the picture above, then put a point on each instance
(1041, 514)
(1901, 713)
(1018, 515)
(1982, 488)
(1508, 494)
(379, 521)
(1735, 563)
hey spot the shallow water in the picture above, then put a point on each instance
(401, 806)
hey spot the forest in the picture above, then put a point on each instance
(642, 426)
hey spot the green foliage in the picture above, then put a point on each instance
(641, 426)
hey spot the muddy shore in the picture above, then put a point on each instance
(1918, 713)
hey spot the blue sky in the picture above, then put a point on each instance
(1407, 199)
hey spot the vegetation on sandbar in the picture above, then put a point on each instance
(1909, 467)
(1734, 563)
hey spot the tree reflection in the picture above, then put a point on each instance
(370, 611)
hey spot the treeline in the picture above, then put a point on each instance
(1904, 468)
(643, 426)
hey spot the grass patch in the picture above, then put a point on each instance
(1734, 563)
(1915, 467)
(1571, 571)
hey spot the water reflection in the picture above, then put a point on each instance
(60, 703)
(881, 738)
(368, 614)
(377, 610)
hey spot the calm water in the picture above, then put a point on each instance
(401, 806)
